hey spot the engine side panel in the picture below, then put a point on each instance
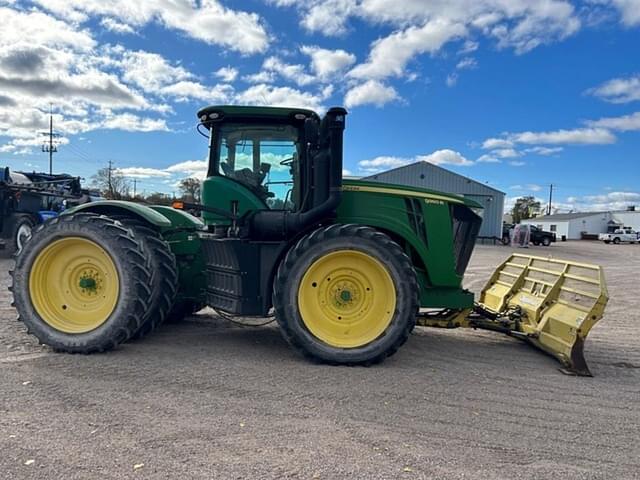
(423, 225)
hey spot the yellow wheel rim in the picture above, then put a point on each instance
(347, 298)
(74, 285)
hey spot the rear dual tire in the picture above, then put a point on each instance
(346, 294)
(163, 271)
(81, 284)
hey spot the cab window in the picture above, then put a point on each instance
(263, 158)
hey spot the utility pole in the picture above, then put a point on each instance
(135, 184)
(550, 198)
(109, 169)
(49, 146)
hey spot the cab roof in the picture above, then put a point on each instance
(242, 111)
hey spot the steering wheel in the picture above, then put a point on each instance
(287, 162)
(226, 169)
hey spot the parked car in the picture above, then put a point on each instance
(620, 236)
(541, 237)
(538, 236)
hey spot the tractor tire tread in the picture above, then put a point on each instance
(164, 274)
(319, 236)
(130, 253)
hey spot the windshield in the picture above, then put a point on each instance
(263, 158)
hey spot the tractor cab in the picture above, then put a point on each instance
(274, 171)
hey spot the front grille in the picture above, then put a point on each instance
(466, 226)
(416, 219)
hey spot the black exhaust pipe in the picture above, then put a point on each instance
(327, 185)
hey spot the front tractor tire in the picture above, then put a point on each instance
(346, 294)
(81, 283)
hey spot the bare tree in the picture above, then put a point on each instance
(190, 189)
(111, 184)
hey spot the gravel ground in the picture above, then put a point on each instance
(206, 399)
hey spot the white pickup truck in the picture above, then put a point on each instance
(620, 236)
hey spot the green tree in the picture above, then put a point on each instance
(525, 207)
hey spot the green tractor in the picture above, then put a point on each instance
(347, 267)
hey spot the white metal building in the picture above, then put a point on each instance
(573, 225)
(428, 175)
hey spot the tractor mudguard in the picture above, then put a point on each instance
(178, 230)
(110, 207)
(552, 304)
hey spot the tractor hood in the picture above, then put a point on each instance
(353, 185)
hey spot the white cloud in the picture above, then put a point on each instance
(41, 29)
(270, 95)
(142, 172)
(421, 26)
(530, 186)
(115, 26)
(439, 157)
(326, 63)
(190, 166)
(151, 71)
(629, 10)
(326, 16)
(451, 80)
(371, 92)
(488, 158)
(468, 46)
(615, 200)
(227, 74)
(383, 163)
(491, 143)
(577, 136)
(294, 73)
(505, 153)
(624, 123)
(543, 150)
(260, 77)
(390, 55)
(517, 163)
(133, 123)
(445, 156)
(186, 90)
(467, 63)
(207, 20)
(619, 90)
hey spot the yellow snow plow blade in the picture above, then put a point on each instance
(554, 303)
(550, 303)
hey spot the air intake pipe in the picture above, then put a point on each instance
(327, 184)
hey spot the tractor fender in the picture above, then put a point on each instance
(178, 218)
(121, 207)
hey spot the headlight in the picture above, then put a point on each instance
(478, 211)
